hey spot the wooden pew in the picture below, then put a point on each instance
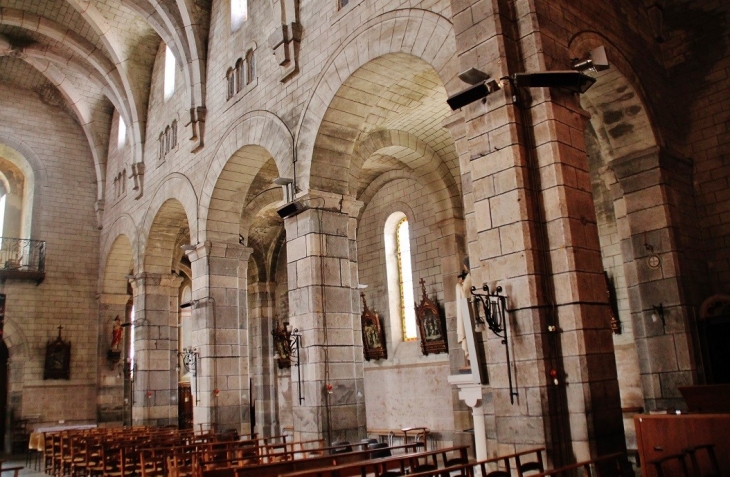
(391, 466)
(272, 469)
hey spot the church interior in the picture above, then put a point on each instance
(502, 224)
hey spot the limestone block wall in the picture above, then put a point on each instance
(63, 215)
(407, 389)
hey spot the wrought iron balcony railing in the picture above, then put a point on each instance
(22, 259)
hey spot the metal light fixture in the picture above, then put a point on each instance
(292, 207)
(480, 89)
(572, 80)
(494, 306)
(287, 342)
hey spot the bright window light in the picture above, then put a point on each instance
(239, 13)
(2, 216)
(406, 280)
(122, 134)
(169, 72)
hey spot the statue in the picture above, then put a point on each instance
(116, 335)
(463, 290)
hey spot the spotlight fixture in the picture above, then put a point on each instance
(596, 61)
(290, 209)
(574, 81)
(187, 247)
(480, 88)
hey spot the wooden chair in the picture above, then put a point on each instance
(711, 458)
(671, 465)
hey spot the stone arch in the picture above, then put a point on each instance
(118, 264)
(174, 202)
(242, 151)
(391, 32)
(15, 340)
(617, 102)
(20, 154)
(261, 201)
(425, 165)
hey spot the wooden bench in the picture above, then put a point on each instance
(390, 466)
(272, 469)
(610, 465)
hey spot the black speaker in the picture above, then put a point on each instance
(469, 95)
(290, 209)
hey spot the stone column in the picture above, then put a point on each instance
(220, 336)
(663, 266)
(324, 306)
(532, 230)
(261, 317)
(110, 398)
(155, 345)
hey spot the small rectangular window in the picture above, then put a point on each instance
(239, 13)
(343, 3)
(169, 72)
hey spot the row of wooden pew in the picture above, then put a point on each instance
(171, 453)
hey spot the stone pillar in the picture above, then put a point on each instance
(324, 306)
(155, 345)
(654, 196)
(261, 316)
(532, 230)
(220, 336)
(110, 398)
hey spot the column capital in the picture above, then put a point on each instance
(154, 279)
(319, 199)
(469, 391)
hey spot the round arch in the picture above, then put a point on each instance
(242, 151)
(118, 264)
(393, 32)
(174, 203)
(23, 157)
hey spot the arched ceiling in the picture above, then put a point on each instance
(97, 55)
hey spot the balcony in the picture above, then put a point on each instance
(22, 259)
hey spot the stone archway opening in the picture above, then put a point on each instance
(381, 140)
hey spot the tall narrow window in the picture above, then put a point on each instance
(250, 67)
(162, 146)
(239, 13)
(169, 72)
(173, 131)
(239, 75)
(122, 133)
(230, 82)
(405, 279)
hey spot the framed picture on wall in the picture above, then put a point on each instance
(373, 334)
(431, 325)
(58, 358)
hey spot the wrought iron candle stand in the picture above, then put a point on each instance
(494, 305)
(286, 345)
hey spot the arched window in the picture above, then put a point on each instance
(162, 146)
(400, 275)
(230, 83)
(121, 133)
(173, 132)
(250, 67)
(167, 139)
(239, 13)
(169, 72)
(239, 75)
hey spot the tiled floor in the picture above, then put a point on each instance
(15, 460)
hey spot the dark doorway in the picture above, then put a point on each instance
(184, 406)
(715, 335)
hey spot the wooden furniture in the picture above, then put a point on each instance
(662, 435)
(389, 466)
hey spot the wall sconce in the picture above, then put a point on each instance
(658, 313)
(286, 344)
(494, 306)
(480, 89)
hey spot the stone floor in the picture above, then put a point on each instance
(15, 460)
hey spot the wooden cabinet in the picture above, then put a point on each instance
(660, 435)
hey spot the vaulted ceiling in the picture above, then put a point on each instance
(90, 57)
